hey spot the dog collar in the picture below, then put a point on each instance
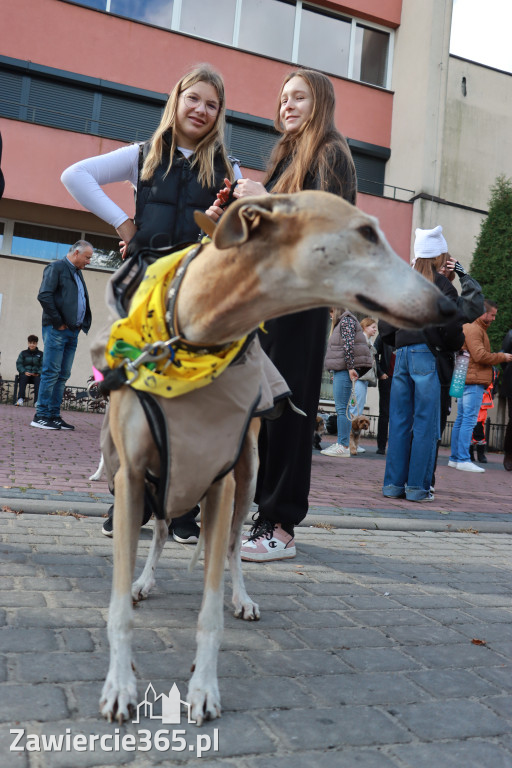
(160, 361)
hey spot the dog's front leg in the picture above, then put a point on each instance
(119, 692)
(246, 471)
(203, 690)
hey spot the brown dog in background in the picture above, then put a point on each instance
(358, 424)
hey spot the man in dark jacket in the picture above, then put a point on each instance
(29, 365)
(66, 311)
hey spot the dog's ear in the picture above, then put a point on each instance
(242, 218)
(205, 223)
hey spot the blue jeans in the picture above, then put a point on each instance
(414, 415)
(467, 414)
(361, 393)
(59, 353)
(341, 389)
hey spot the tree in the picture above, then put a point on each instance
(492, 258)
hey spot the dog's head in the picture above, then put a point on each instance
(325, 252)
(360, 423)
(320, 426)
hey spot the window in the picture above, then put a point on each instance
(106, 251)
(290, 30)
(266, 27)
(370, 55)
(98, 5)
(157, 12)
(42, 242)
(324, 41)
(213, 21)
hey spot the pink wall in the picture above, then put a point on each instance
(395, 218)
(34, 157)
(145, 57)
(38, 179)
(386, 12)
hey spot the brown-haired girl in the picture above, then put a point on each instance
(311, 154)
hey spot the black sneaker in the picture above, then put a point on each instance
(42, 423)
(185, 531)
(107, 528)
(63, 424)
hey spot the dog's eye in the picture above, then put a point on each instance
(368, 233)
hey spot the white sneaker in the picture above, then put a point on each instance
(468, 466)
(336, 450)
(361, 450)
(452, 464)
(20, 401)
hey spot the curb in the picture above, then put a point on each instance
(319, 521)
(54, 506)
(403, 524)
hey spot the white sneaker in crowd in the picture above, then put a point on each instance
(336, 449)
(468, 466)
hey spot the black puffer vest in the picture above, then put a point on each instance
(164, 213)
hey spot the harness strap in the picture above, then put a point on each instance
(157, 426)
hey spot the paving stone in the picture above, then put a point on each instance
(21, 703)
(18, 640)
(344, 637)
(294, 663)
(332, 758)
(463, 655)
(82, 617)
(451, 719)
(452, 683)
(364, 688)
(470, 754)
(323, 728)
(377, 659)
(61, 667)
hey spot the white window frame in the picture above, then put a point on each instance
(176, 19)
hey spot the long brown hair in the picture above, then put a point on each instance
(430, 267)
(315, 148)
(207, 148)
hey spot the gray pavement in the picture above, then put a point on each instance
(386, 643)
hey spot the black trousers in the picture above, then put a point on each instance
(296, 345)
(382, 428)
(446, 406)
(507, 447)
(24, 380)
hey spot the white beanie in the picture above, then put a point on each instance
(429, 243)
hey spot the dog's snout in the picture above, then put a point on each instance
(446, 307)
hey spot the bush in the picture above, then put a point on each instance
(492, 258)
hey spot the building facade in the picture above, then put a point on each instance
(81, 78)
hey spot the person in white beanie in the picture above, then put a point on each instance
(414, 413)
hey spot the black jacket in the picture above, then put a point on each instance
(443, 340)
(58, 296)
(165, 204)
(29, 361)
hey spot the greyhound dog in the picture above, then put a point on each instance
(269, 256)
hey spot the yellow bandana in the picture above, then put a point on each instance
(146, 324)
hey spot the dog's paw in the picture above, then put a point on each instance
(246, 609)
(204, 702)
(96, 476)
(119, 699)
(141, 589)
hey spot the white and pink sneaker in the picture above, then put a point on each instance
(268, 541)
